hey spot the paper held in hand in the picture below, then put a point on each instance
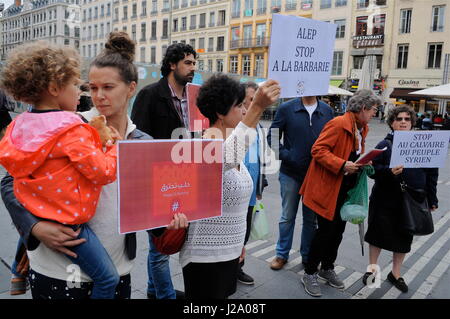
(366, 158)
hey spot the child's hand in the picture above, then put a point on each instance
(115, 135)
(99, 123)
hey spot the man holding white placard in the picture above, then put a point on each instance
(299, 122)
(301, 61)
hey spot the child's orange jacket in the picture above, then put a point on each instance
(58, 165)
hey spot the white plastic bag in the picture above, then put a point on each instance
(260, 226)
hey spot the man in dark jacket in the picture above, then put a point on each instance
(299, 122)
(159, 110)
(161, 107)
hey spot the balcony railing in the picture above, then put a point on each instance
(261, 11)
(250, 43)
(235, 15)
(291, 6)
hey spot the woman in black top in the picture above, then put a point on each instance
(385, 201)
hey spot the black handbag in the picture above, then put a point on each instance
(416, 216)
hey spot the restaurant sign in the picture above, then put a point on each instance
(363, 41)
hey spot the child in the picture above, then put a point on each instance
(55, 158)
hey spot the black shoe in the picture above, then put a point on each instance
(179, 295)
(244, 278)
(398, 283)
(366, 276)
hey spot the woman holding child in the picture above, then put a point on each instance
(112, 80)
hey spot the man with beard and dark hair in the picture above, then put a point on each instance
(159, 109)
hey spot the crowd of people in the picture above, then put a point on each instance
(61, 189)
(432, 121)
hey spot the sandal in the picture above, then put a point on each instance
(18, 286)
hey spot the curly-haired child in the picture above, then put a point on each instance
(56, 159)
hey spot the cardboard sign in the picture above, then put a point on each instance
(301, 55)
(197, 122)
(419, 149)
(158, 178)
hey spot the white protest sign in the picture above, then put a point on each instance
(414, 149)
(301, 55)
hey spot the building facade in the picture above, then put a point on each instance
(249, 31)
(204, 25)
(417, 64)
(55, 21)
(337, 12)
(147, 23)
(96, 24)
(371, 35)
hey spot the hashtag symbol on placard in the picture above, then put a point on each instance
(175, 206)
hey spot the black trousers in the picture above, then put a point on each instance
(210, 280)
(328, 237)
(247, 232)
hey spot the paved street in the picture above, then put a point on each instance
(426, 268)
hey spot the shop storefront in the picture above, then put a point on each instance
(420, 103)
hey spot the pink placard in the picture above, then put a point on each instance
(197, 122)
(154, 183)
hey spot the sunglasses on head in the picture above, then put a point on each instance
(406, 119)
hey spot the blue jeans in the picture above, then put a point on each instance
(94, 260)
(14, 263)
(290, 199)
(159, 280)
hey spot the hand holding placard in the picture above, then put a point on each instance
(267, 94)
